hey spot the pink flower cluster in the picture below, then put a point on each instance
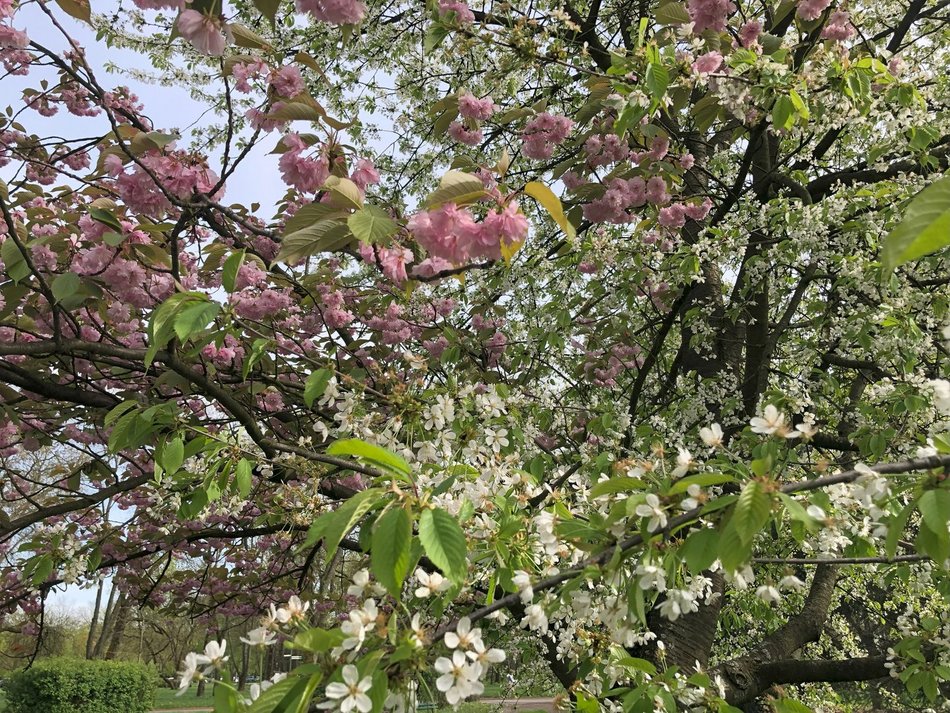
(709, 14)
(287, 81)
(304, 173)
(618, 358)
(14, 39)
(364, 174)
(336, 12)
(464, 135)
(180, 174)
(207, 34)
(392, 261)
(159, 4)
(839, 27)
(603, 150)
(458, 10)
(244, 72)
(543, 134)
(810, 10)
(674, 216)
(624, 194)
(471, 107)
(6, 8)
(393, 327)
(451, 233)
(707, 63)
(473, 110)
(749, 33)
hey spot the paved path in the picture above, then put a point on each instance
(510, 705)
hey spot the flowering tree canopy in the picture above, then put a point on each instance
(619, 322)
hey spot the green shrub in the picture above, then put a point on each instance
(80, 686)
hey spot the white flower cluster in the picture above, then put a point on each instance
(461, 674)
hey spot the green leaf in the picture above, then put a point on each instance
(345, 518)
(457, 187)
(344, 193)
(79, 9)
(161, 325)
(245, 37)
(934, 506)
(701, 479)
(657, 80)
(752, 511)
(173, 455)
(672, 13)
(268, 8)
(230, 269)
(243, 477)
(787, 705)
(615, 485)
(14, 264)
(194, 319)
(225, 699)
(315, 386)
(733, 551)
(783, 116)
(372, 225)
(552, 204)
(371, 454)
(895, 529)
(443, 542)
(65, 286)
(389, 556)
(924, 229)
(310, 214)
(106, 218)
(317, 640)
(700, 550)
(322, 236)
(296, 111)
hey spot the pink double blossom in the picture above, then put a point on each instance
(810, 10)
(471, 107)
(470, 137)
(336, 12)
(709, 14)
(209, 35)
(458, 10)
(543, 134)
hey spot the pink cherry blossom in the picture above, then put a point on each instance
(365, 174)
(469, 137)
(543, 134)
(706, 63)
(244, 72)
(11, 38)
(287, 81)
(471, 107)
(458, 9)
(810, 10)
(709, 14)
(6, 8)
(393, 262)
(159, 4)
(207, 34)
(839, 27)
(749, 33)
(304, 173)
(336, 12)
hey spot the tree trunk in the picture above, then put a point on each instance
(95, 620)
(122, 610)
(107, 618)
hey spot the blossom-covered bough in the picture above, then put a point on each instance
(617, 323)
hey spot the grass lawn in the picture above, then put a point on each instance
(165, 699)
